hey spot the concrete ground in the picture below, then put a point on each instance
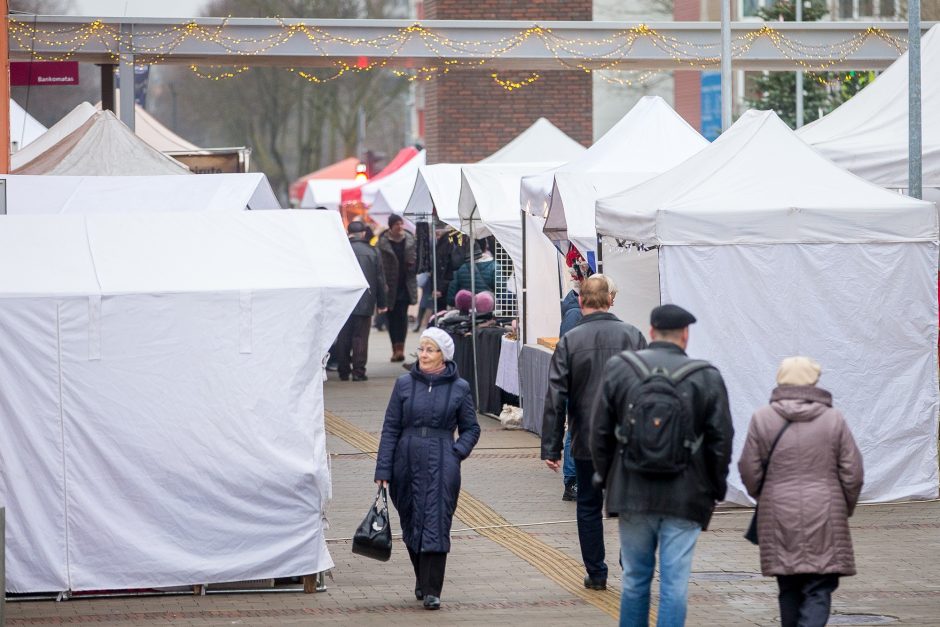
(519, 564)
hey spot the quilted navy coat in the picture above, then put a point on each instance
(419, 456)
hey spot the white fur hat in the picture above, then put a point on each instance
(442, 339)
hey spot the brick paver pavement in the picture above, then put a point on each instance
(896, 548)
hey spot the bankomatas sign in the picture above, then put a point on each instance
(24, 73)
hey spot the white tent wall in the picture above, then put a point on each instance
(168, 393)
(866, 312)
(543, 279)
(42, 194)
(636, 274)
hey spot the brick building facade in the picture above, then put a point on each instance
(467, 115)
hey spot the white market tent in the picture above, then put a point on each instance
(779, 252)
(438, 185)
(100, 146)
(31, 195)
(650, 139)
(488, 205)
(390, 194)
(325, 193)
(56, 133)
(24, 128)
(141, 447)
(868, 135)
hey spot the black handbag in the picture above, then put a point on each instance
(373, 538)
(751, 534)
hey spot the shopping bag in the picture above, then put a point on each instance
(373, 538)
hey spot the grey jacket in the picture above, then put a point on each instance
(371, 265)
(575, 376)
(812, 485)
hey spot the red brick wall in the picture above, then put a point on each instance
(468, 115)
(688, 84)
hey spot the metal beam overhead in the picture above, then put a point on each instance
(490, 45)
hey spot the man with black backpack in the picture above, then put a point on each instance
(661, 443)
(575, 377)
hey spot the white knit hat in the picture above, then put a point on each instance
(442, 339)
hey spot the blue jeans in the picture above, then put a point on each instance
(567, 467)
(640, 534)
(590, 515)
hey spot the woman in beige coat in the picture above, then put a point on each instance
(812, 485)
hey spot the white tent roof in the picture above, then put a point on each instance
(101, 146)
(398, 184)
(56, 133)
(151, 130)
(759, 183)
(651, 138)
(132, 347)
(868, 134)
(30, 195)
(24, 129)
(438, 185)
(325, 192)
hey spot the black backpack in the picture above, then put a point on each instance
(657, 435)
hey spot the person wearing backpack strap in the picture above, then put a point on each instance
(661, 443)
(575, 377)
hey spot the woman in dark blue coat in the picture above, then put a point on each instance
(419, 459)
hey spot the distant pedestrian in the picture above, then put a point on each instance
(485, 274)
(419, 459)
(399, 258)
(661, 442)
(575, 377)
(352, 345)
(810, 488)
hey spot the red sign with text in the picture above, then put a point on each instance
(24, 73)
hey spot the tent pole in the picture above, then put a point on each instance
(525, 296)
(600, 254)
(433, 236)
(915, 144)
(473, 315)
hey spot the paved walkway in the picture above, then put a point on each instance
(520, 564)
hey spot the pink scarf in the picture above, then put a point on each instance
(437, 370)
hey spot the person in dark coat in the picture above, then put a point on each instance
(399, 258)
(419, 459)
(575, 376)
(570, 317)
(667, 511)
(352, 345)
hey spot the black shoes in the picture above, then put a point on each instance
(592, 584)
(344, 377)
(432, 602)
(571, 492)
(360, 377)
(418, 594)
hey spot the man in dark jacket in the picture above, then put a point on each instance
(399, 259)
(354, 337)
(665, 509)
(575, 377)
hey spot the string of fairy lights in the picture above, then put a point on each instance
(610, 54)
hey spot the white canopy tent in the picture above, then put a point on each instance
(24, 128)
(488, 205)
(324, 193)
(779, 252)
(56, 133)
(30, 195)
(101, 146)
(163, 402)
(438, 186)
(868, 135)
(651, 138)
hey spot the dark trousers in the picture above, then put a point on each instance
(398, 321)
(429, 571)
(353, 345)
(590, 515)
(805, 600)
